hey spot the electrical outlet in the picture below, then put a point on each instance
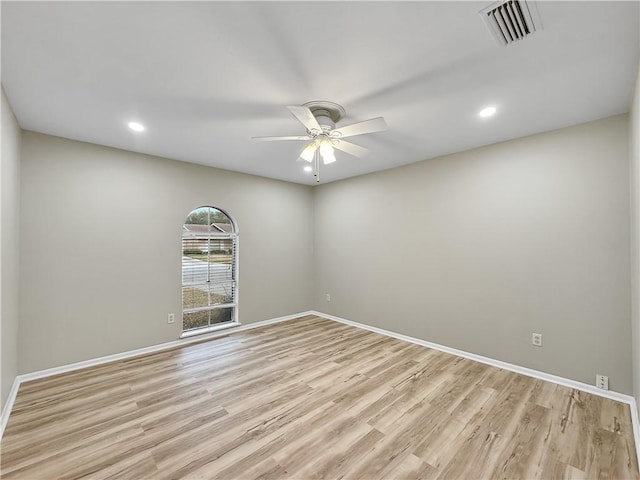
(602, 381)
(327, 297)
(170, 318)
(536, 339)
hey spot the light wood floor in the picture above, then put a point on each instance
(311, 398)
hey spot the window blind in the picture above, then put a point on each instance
(209, 263)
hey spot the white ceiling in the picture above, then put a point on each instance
(205, 77)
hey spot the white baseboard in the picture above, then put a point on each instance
(6, 410)
(620, 397)
(636, 425)
(153, 348)
(8, 405)
(487, 360)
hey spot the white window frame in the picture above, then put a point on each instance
(234, 236)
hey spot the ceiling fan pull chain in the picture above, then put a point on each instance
(316, 165)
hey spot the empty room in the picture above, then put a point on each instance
(320, 240)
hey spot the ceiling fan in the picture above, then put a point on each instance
(320, 118)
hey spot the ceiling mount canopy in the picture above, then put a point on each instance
(320, 119)
(327, 114)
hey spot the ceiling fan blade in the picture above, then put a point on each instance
(350, 148)
(368, 126)
(306, 117)
(274, 139)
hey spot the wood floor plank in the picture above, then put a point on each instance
(310, 399)
(296, 432)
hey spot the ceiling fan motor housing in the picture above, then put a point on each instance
(324, 120)
(326, 113)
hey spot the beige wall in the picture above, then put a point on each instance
(634, 156)
(475, 250)
(9, 242)
(480, 249)
(100, 257)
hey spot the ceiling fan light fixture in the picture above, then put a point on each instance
(327, 159)
(309, 151)
(327, 153)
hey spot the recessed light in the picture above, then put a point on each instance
(136, 127)
(487, 112)
(308, 168)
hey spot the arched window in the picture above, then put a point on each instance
(209, 265)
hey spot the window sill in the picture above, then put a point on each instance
(213, 328)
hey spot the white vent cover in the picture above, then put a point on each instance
(511, 20)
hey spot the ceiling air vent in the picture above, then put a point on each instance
(511, 20)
